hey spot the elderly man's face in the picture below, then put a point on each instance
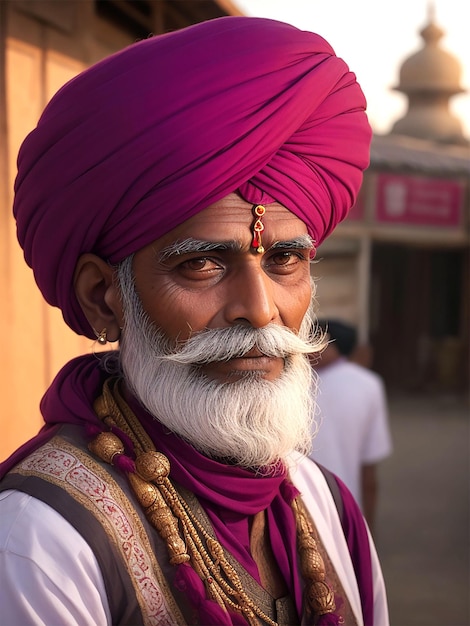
(205, 274)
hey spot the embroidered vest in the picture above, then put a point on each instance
(98, 502)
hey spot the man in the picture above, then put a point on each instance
(353, 435)
(171, 197)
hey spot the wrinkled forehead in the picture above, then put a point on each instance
(234, 223)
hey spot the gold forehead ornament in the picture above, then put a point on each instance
(258, 227)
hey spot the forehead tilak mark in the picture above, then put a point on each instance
(258, 227)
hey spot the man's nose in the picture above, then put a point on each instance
(251, 298)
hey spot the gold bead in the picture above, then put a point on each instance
(106, 446)
(101, 408)
(152, 466)
(146, 493)
(321, 598)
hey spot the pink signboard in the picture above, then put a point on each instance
(419, 200)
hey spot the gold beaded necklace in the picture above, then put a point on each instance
(186, 539)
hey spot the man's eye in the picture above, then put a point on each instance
(199, 264)
(285, 257)
(195, 264)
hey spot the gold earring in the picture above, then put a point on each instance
(102, 337)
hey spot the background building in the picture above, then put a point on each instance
(399, 267)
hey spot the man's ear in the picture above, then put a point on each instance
(98, 295)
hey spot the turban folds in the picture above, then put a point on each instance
(148, 137)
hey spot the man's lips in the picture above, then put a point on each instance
(253, 361)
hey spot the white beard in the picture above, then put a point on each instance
(249, 421)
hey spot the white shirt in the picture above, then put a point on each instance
(352, 421)
(49, 574)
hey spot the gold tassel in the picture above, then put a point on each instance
(318, 595)
(160, 516)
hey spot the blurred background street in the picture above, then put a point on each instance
(422, 528)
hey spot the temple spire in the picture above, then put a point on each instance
(430, 78)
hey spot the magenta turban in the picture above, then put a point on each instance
(150, 136)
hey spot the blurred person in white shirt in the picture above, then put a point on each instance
(353, 434)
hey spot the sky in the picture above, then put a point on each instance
(374, 37)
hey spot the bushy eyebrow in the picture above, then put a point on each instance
(303, 242)
(191, 245)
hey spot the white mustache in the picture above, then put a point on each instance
(223, 344)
